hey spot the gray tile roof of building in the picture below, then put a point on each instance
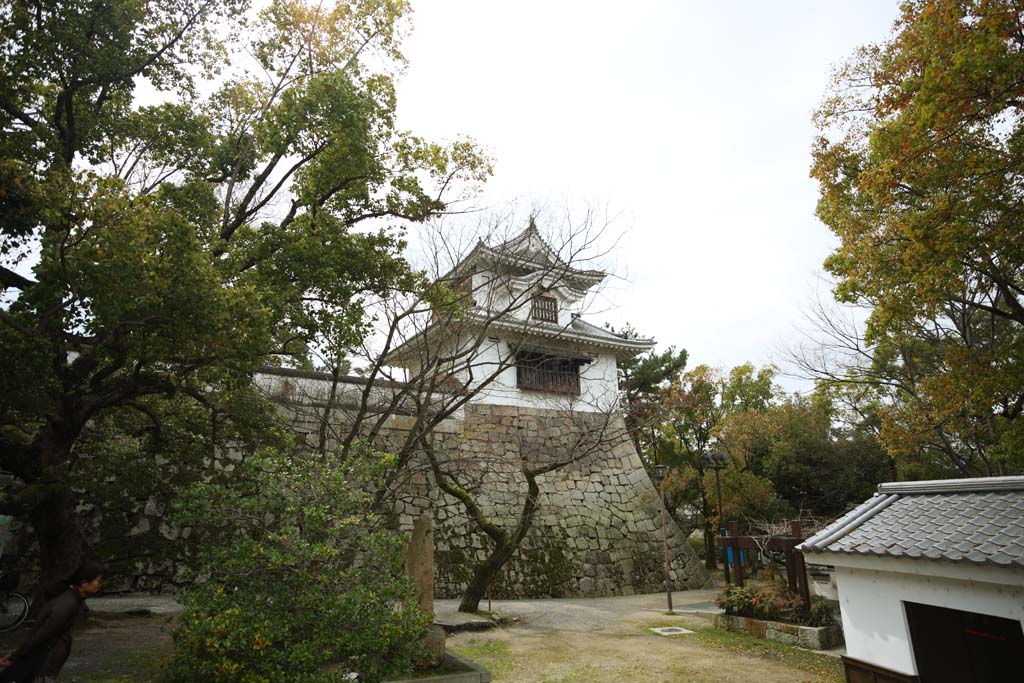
(977, 521)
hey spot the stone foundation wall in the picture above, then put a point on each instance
(596, 531)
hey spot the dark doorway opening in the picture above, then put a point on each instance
(952, 646)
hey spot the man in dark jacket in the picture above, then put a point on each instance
(52, 626)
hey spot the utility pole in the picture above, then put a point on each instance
(717, 461)
(659, 472)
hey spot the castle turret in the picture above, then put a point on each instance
(522, 332)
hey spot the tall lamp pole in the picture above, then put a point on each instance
(659, 472)
(717, 461)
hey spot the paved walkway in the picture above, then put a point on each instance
(574, 614)
(132, 603)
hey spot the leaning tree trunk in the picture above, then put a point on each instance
(62, 543)
(504, 548)
(482, 577)
(505, 544)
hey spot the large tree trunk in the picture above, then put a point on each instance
(62, 543)
(61, 539)
(504, 548)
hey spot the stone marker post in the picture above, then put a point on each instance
(419, 566)
(419, 560)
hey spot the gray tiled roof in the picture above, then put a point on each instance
(978, 521)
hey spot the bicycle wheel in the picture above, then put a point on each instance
(13, 610)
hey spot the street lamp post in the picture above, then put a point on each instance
(659, 472)
(717, 461)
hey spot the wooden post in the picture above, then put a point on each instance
(790, 568)
(799, 566)
(791, 553)
(801, 579)
(734, 532)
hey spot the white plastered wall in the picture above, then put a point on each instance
(495, 293)
(598, 384)
(872, 592)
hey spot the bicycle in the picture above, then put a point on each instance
(13, 605)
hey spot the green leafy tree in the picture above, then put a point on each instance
(919, 163)
(641, 381)
(154, 254)
(296, 576)
(817, 459)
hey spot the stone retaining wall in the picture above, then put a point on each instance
(810, 637)
(597, 529)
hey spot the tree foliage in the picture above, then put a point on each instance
(156, 250)
(919, 164)
(296, 575)
(784, 454)
(815, 463)
(641, 381)
(695, 407)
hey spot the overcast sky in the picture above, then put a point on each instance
(690, 120)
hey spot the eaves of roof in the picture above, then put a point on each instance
(593, 337)
(973, 521)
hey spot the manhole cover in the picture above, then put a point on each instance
(671, 631)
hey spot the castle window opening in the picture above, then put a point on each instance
(545, 309)
(545, 372)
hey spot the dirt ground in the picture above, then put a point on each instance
(604, 644)
(112, 648)
(549, 641)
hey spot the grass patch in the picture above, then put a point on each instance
(134, 668)
(490, 654)
(827, 669)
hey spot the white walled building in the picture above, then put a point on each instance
(526, 386)
(931, 581)
(521, 331)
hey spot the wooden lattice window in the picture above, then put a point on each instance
(545, 309)
(542, 372)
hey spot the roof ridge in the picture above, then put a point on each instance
(610, 333)
(954, 485)
(848, 522)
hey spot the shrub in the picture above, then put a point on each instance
(822, 613)
(772, 603)
(301, 576)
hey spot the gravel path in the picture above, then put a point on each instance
(589, 614)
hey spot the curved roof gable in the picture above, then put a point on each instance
(530, 251)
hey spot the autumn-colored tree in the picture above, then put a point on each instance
(919, 164)
(154, 252)
(694, 408)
